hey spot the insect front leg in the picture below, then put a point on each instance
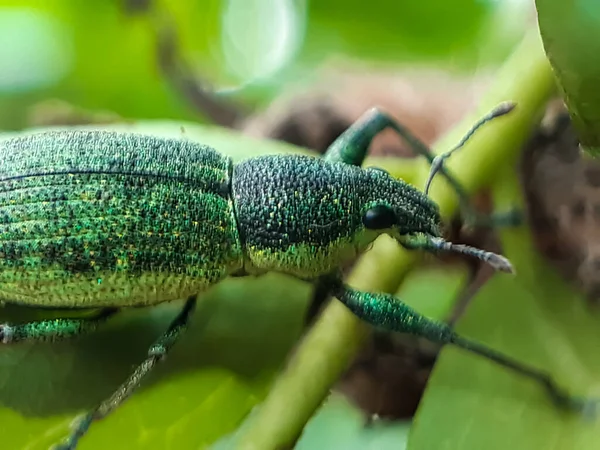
(387, 312)
(353, 145)
(156, 353)
(51, 330)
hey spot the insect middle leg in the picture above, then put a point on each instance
(389, 313)
(156, 353)
(52, 330)
(353, 145)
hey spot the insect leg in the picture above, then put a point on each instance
(157, 352)
(321, 293)
(388, 312)
(352, 147)
(51, 330)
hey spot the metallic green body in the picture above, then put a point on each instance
(94, 219)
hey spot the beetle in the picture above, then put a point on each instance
(103, 221)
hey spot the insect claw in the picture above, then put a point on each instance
(503, 108)
(500, 263)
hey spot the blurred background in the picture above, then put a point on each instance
(121, 56)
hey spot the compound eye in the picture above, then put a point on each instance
(379, 217)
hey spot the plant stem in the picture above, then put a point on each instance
(333, 342)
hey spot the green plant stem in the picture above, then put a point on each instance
(332, 343)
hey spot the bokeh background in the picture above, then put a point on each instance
(103, 54)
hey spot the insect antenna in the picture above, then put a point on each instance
(438, 161)
(498, 262)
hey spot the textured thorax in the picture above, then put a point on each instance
(297, 214)
(93, 218)
(304, 215)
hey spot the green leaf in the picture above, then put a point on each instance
(433, 290)
(571, 35)
(341, 425)
(537, 318)
(396, 28)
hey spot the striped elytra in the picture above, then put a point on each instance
(97, 218)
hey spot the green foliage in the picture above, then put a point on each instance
(108, 58)
(339, 424)
(433, 290)
(571, 34)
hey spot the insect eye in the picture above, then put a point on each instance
(379, 217)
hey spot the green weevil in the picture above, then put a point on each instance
(105, 221)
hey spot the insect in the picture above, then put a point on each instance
(104, 221)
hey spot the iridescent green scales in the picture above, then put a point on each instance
(106, 219)
(304, 216)
(93, 219)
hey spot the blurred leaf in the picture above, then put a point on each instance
(383, 29)
(571, 35)
(535, 317)
(109, 50)
(439, 30)
(339, 425)
(433, 290)
(238, 339)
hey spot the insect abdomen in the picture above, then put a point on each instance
(92, 218)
